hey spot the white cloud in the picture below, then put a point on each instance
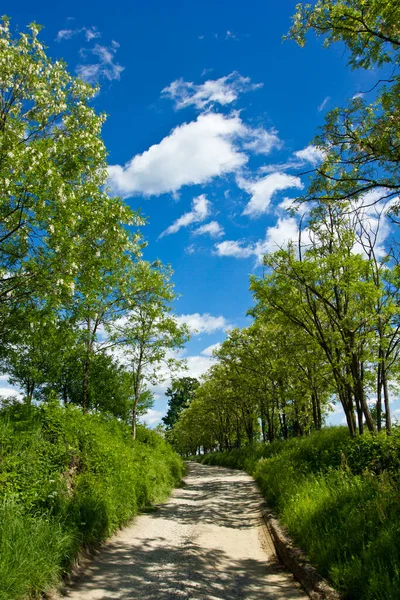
(287, 203)
(203, 323)
(198, 365)
(193, 153)
(10, 392)
(263, 189)
(65, 34)
(152, 417)
(325, 101)
(105, 67)
(235, 249)
(224, 90)
(200, 211)
(91, 33)
(213, 229)
(396, 415)
(261, 141)
(276, 237)
(210, 349)
(310, 154)
(373, 226)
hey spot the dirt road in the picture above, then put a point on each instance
(206, 543)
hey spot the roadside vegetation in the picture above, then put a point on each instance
(85, 325)
(69, 480)
(338, 498)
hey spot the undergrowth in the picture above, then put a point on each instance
(339, 499)
(69, 480)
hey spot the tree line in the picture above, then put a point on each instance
(83, 317)
(326, 313)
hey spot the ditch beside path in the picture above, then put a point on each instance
(206, 543)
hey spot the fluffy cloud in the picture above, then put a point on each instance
(278, 236)
(204, 323)
(263, 189)
(261, 141)
(213, 229)
(9, 391)
(236, 249)
(310, 154)
(210, 349)
(200, 211)
(193, 153)
(197, 366)
(66, 34)
(224, 90)
(105, 66)
(285, 230)
(152, 417)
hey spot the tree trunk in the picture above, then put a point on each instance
(136, 394)
(359, 392)
(360, 416)
(314, 409)
(379, 394)
(388, 421)
(86, 368)
(30, 388)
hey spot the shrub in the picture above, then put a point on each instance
(67, 480)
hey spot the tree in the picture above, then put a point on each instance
(360, 141)
(149, 332)
(180, 394)
(54, 205)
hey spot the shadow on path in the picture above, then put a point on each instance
(203, 544)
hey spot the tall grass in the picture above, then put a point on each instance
(69, 480)
(339, 499)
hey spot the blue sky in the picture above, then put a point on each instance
(211, 117)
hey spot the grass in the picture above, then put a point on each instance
(69, 480)
(339, 499)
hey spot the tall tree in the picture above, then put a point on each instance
(149, 333)
(180, 394)
(54, 205)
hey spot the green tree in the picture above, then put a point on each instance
(149, 332)
(360, 141)
(180, 394)
(54, 205)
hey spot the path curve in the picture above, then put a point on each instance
(206, 543)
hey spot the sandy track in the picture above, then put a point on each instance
(207, 542)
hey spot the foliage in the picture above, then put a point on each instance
(68, 479)
(338, 498)
(149, 332)
(180, 394)
(255, 383)
(56, 214)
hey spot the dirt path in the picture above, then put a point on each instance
(207, 542)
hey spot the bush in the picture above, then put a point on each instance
(67, 480)
(339, 500)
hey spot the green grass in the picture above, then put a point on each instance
(69, 480)
(340, 500)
